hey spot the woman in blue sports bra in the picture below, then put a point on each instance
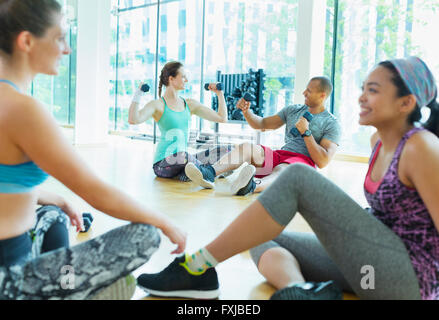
(173, 116)
(36, 261)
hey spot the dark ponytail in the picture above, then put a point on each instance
(35, 16)
(432, 123)
(169, 70)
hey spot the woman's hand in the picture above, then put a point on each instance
(74, 215)
(176, 236)
(212, 87)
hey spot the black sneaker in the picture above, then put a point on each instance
(175, 281)
(203, 175)
(310, 291)
(248, 189)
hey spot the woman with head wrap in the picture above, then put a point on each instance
(390, 251)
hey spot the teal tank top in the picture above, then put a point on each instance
(20, 178)
(174, 129)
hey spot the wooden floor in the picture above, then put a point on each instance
(203, 214)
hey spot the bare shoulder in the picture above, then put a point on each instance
(19, 108)
(422, 145)
(193, 104)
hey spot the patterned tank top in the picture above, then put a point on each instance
(402, 210)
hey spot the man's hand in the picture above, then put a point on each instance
(243, 105)
(302, 125)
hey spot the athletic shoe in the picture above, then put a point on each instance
(241, 178)
(310, 291)
(122, 289)
(248, 189)
(175, 281)
(203, 175)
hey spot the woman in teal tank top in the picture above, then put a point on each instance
(32, 147)
(173, 117)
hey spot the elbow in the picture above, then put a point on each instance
(223, 120)
(322, 163)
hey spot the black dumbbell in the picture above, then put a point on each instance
(87, 219)
(308, 116)
(145, 88)
(237, 93)
(249, 97)
(219, 86)
(237, 115)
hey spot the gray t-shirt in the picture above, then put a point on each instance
(324, 125)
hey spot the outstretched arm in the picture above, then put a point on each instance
(256, 122)
(207, 113)
(35, 132)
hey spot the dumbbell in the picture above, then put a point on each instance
(249, 97)
(308, 116)
(219, 86)
(237, 115)
(87, 219)
(237, 93)
(145, 88)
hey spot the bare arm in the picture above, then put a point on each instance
(37, 134)
(136, 116)
(419, 164)
(321, 153)
(207, 113)
(46, 198)
(256, 122)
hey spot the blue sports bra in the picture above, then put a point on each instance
(20, 178)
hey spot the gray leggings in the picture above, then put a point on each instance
(347, 239)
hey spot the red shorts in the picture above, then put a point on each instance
(273, 158)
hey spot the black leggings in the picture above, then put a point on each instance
(173, 165)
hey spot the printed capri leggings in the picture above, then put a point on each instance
(346, 237)
(173, 166)
(34, 274)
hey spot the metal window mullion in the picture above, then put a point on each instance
(203, 33)
(334, 54)
(117, 67)
(157, 64)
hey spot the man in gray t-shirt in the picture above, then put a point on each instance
(313, 143)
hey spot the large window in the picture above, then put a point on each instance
(256, 34)
(58, 93)
(232, 36)
(369, 31)
(238, 35)
(133, 60)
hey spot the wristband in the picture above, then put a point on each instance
(137, 96)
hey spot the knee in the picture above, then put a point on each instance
(271, 256)
(50, 215)
(298, 171)
(145, 234)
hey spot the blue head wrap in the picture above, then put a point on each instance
(418, 79)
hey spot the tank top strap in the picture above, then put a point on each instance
(404, 140)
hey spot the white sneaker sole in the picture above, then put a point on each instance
(190, 294)
(122, 289)
(246, 172)
(196, 176)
